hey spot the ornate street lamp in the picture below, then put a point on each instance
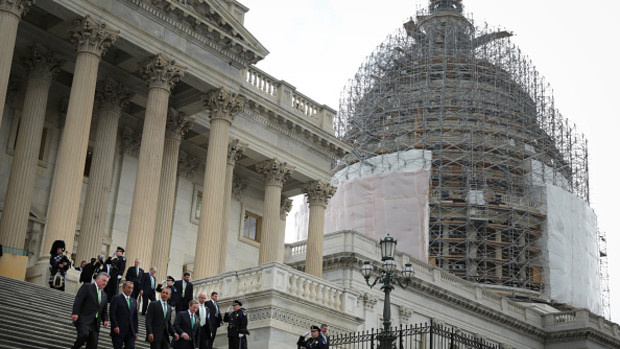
(387, 278)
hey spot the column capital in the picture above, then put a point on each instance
(318, 193)
(177, 124)
(276, 172)
(131, 141)
(187, 164)
(235, 150)
(162, 72)
(285, 207)
(238, 187)
(111, 95)
(89, 35)
(41, 63)
(16, 7)
(223, 104)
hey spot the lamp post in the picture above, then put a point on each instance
(388, 278)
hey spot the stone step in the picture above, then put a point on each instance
(36, 317)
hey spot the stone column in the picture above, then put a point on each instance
(276, 173)
(235, 150)
(161, 74)
(177, 126)
(10, 14)
(285, 207)
(111, 96)
(91, 39)
(41, 67)
(222, 107)
(318, 194)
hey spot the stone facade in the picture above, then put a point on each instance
(269, 118)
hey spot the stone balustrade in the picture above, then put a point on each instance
(262, 81)
(580, 320)
(286, 96)
(280, 278)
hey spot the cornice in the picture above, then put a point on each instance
(290, 318)
(572, 335)
(321, 144)
(201, 30)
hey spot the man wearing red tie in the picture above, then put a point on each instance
(187, 326)
(124, 318)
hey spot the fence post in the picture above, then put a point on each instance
(452, 339)
(431, 335)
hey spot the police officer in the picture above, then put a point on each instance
(237, 326)
(116, 269)
(314, 342)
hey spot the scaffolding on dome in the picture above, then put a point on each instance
(471, 97)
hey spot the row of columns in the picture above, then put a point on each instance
(150, 223)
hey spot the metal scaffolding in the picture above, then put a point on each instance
(468, 95)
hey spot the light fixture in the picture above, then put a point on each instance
(388, 247)
(367, 269)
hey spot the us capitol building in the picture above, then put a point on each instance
(144, 124)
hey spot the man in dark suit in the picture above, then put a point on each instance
(86, 276)
(124, 318)
(184, 293)
(135, 275)
(324, 336)
(158, 322)
(205, 325)
(187, 326)
(89, 309)
(215, 317)
(147, 288)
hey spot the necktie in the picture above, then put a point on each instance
(128, 303)
(152, 282)
(183, 294)
(217, 310)
(191, 316)
(137, 271)
(203, 315)
(165, 308)
(98, 301)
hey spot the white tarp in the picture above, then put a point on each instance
(573, 250)
(394, 203)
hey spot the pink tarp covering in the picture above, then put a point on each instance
(395, 203)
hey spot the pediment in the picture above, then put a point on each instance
(213, 20)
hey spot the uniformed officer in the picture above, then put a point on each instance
(314, 342)
(237, 326)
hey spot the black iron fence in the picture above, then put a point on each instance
(421, 336)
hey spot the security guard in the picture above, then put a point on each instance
(237, 326)
(314, 342)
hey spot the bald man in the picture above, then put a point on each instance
(205, 327)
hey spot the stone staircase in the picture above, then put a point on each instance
(36, 317)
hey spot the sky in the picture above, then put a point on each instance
(317, 46)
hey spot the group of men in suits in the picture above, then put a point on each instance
(195, 324)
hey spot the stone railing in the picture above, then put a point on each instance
(368, 248)
(580, 319)
(262, 81)
(281, 278)
(287, 97)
